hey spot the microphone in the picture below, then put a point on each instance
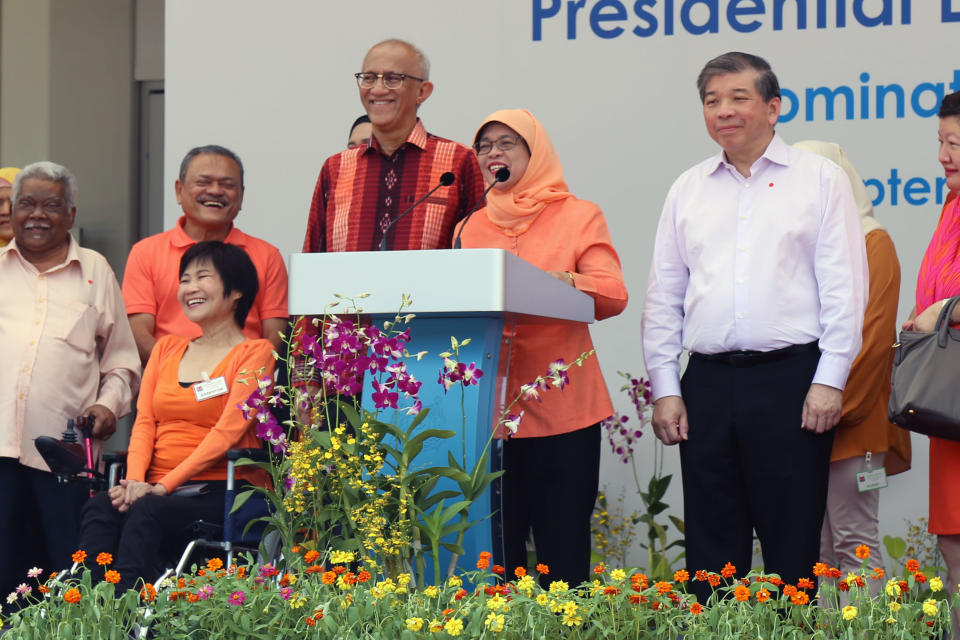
(446, 180)
(502, 175)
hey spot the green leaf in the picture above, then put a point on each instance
(420, 417)
(241, 500)
(453, 548)
(896, 547)
(678, 523)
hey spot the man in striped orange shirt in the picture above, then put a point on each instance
(362, 190)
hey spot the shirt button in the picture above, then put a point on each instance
(21, 396)
(741, 249)
(36, 322)
(33, 342)
(740, 316)
(25, 369)
(746, 184)
(743, 217)
(739, 280)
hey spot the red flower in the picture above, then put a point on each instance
(459, 594)
(610, 591)
(497, 569)
(363, 576)
(700, 575)
(148, 593)
(805, 583)
(728, 571)
(843, 586)
(920, 577)
(543, 569)
(912, 565)
(696, 608)
(599, 569)
(634, 599)
(309, 622)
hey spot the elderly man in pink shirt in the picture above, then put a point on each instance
(67, 350)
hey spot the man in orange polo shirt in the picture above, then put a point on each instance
(210, 192)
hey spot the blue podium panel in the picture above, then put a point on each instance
(472, 424)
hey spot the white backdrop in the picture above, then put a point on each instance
(273, 81)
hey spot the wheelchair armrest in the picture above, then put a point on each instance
(257, 455)
(114, 457)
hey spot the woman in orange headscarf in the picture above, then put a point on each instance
(552, 462)
(7, 175)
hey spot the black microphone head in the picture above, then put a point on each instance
(447, 178)
(502, 175)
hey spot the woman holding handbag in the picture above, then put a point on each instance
(937, 282)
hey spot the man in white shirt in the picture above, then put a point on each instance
(759, 270)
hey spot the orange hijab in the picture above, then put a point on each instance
(513, 211)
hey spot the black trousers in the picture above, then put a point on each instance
(550, 485)
(39, 523)
(153, 530)
(749, 466)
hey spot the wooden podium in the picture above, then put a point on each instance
(465, 293)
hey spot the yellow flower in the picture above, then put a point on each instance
(431, 592)
(595, 588)
(436, 625)
(401, 590)
(454, 581)
(297, 602)
(618, 574)
(894, 606)
(571, 620)
(849, 612)
(569, 607)
(559, 586)
(414, 624)
(496, 602)
(851, 579)
(542, 599)
(454, 626)
(893, 589)
(930, 607)
(341, 557)
(495, 621)
(403, 579)
(525, 584)
(936, 584)
(891, 620)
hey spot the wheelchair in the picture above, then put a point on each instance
(71, 461)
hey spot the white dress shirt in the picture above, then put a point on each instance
(757, 263)
(65, 344)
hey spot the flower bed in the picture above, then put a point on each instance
(327, 595)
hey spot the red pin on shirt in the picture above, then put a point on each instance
(770, 185)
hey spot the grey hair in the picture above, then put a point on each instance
(766, 83)
(422, 61)
(212, 149)
(46, 170)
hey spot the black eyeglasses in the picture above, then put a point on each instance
(504, 143)
(367, 79)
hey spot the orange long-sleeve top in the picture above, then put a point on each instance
(864, 425)
(176, 439)
(568, 235)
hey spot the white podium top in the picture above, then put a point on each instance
(445, 281)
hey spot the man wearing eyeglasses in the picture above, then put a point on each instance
(362, 190)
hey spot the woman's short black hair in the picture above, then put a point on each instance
(950, 105)
(235, 269)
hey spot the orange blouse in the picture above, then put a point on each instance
(176, 439)
(864, 426)
(569, 235)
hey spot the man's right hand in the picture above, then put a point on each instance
(670, 420)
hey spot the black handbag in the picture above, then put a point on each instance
(925, 395)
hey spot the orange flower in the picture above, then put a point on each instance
(446, 612)
(181, 583)
(728, 571)
(363, 576)
(741, 593)
(713, 579)
(459, 594)
(775, 581)
(499, 570)
(148, 592)
(309, 622)
(696, 608)
(201, 572)
(805, 583)
(599, 569)
(339, 569)
(328, 577)
(920, 577)
(634, 599)
(820, 569)
(318, 568)
(833, 572)
(789, 590)
(295, 548)
(310, 556)
(79, 556)
(878, 573)
(103, 559)
(519, 572)
(112, 577)
(904, 586)
(700, 575)
(681, 575)
(213, 564)
(43, 589)
(843, 586)
(800, 598)
(72, 596)
(543, 569)
(317, 614)
(763, 595)
(862, 551)
(663, 587)
(610, 591)
(193, 598)
(912, 565)
(483, 563)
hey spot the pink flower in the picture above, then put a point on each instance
(469, 373)
(237, 598)
(206, 591)
(23, 589)
(36, 572)
(286, 592)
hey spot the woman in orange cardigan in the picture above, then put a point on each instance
(552, 462)
(852, 517)
(187, 419)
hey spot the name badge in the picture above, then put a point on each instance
(210, 388)
(871, 479)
